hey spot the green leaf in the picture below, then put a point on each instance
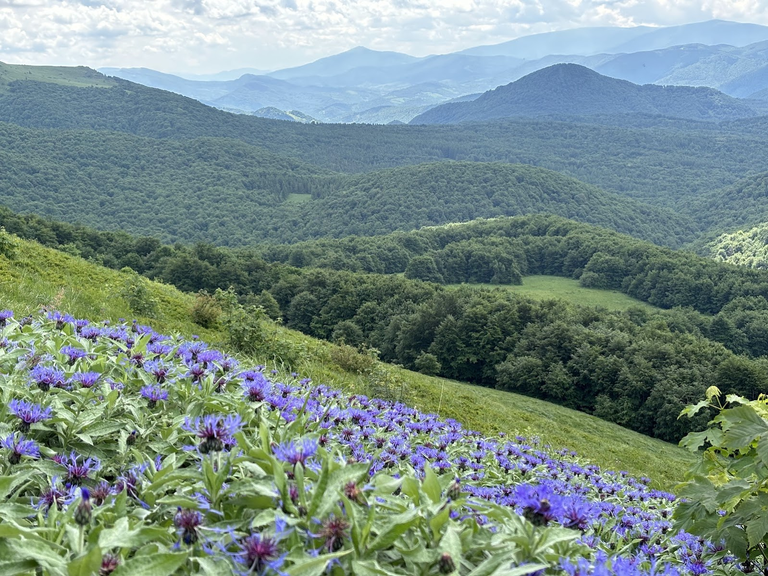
(99, 429)
(370, 568)
(743, 425)
(155, 565)
(41, 552)
(314, 566)
(691, 410)
(120, 536)
(431, 485)
(86, 565)
(392, 529)
(757, 529)
(451, 544)
(521, 570)
(14, 567)
(489, 566)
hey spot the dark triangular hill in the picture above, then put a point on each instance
(573, 90)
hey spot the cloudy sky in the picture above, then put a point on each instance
(201, 36)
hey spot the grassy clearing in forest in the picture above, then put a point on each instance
(553, 287)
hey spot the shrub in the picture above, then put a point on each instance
(205, 310)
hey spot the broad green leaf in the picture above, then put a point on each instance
(489, 566)
(431, 485)
(86, 565)
(521, 570)
(757, 529)
(743, 425)
(314, 566)
(155, 565)
(41, 552)
(392, 529)
(370, 568)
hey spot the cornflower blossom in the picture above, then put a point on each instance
(73, 354)
(255, 386)
(158, 369)
(154, 394)
(209, 356)
(55, 495)
(46, 377)
(78, 468)
(187, 521)
(84, 510)
(86, 379)
(5, 315)
(294, 452)
(28, 413)
(20, 446)
(101, 492)
(60, 319)
(258, 552)
(90, 333)
(215, 431)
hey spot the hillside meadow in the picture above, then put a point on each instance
(39, 277)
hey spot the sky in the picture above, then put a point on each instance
(206, 36)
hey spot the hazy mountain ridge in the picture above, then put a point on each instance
(570, 89)
(343, 87)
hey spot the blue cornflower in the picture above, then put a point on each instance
(19, 446)
(78, 469)
(55, 495)
(73, 354)
(187, 522)
(90, 333)
(4, 316)
(258, 553)
(86, 379)
(216, 431)
(28, 413)
(154, 394)
(255, 386)
(45, 377)
(296, 452)
(158, 369)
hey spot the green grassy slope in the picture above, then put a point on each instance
(75, 76)
(39, 276)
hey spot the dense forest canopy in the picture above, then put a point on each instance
(170, 189)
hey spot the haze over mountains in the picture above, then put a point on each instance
(362, 85)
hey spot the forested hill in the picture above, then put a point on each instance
(742, 205)
(171, 189)
(438, 193)
(570, 89)
(665, 165)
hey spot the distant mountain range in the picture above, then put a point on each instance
(368, 86)
(573, 90)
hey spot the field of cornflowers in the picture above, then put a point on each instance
(129, 452)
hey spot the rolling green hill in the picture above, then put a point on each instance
(741, 205)
(431, 194)
(77, 77)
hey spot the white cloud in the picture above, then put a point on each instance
(211, 35)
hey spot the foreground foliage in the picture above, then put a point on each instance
(130, 452)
